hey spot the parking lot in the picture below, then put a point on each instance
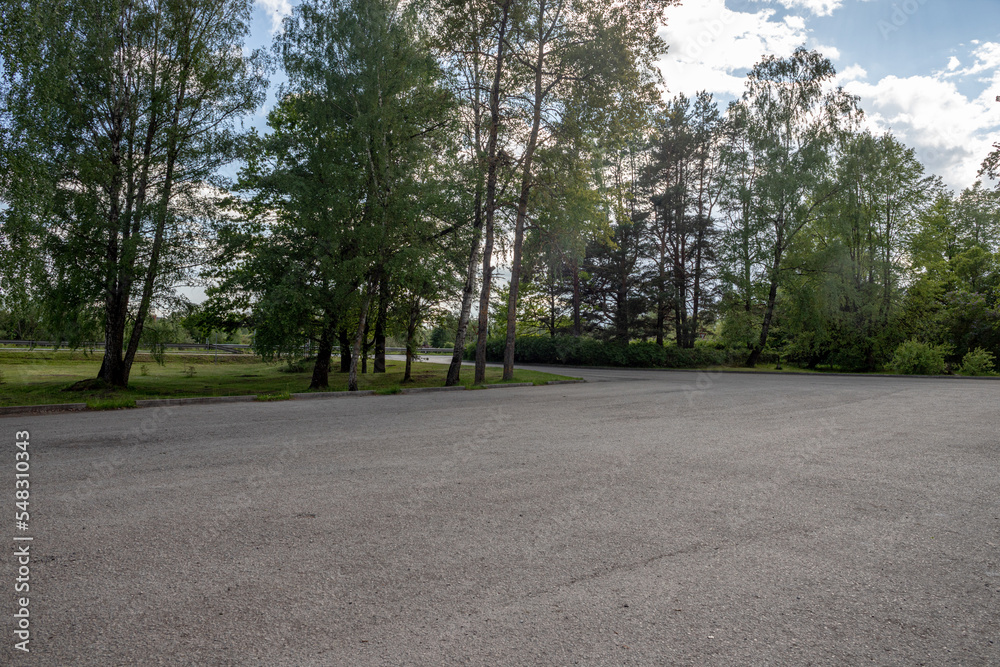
(643, 518)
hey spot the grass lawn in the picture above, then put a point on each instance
(37, 378)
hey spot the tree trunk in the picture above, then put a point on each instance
(321, 369)
(123, 257)
(769, 312)
(365, 346)
(522, 208)
(660, 318)
(491, 197)
(345, 350)
(458, 353)
(380, 324)
(161, 215)
(352, 378)
(411, 337)
(455, 368)
(696, 296)
(577, 328)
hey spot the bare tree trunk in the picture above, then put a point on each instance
(522, 206)
(411, 337)
(321, 369)
(771, 299)
(352, 378)
(380, 323)
(455, 368)
(491, 196)
(577, 328)
(345, 350)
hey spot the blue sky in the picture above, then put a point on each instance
(926, 70)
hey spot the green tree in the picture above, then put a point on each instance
(682, 176)
(117, 115)
(345, 202)
(784, 126)
(589, 56)
(849, 265)
(471, 39)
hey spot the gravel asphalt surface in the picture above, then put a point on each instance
(643, 518)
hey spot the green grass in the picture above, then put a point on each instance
(38, 378)
(280, 396)
(111, 403)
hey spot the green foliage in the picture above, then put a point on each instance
(779, 158)
(573, 351)
(345, 191)
(916, 358)
(440, 337)
(978, 362)
(740, 329)
(117, 117)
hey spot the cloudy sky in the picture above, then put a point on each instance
(926, 70)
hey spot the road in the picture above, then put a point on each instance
(644, 518)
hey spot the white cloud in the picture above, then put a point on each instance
(276, 10)
(711, 46)
(853, 73)
(817, 7)
(950, 131)
(987, 57)
(954, 63)
(831, 52)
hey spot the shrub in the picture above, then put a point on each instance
(572, 351)
(978, 362)
(916, 358)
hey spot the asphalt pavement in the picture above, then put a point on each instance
(643, 518)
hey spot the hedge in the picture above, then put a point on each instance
(572, 351)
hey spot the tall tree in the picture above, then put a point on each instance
(850, 264)
(471, 39)
(119, 115)
(353, 187)
(786, 122)
(588, 53)
(682, 178)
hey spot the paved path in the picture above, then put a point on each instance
(685, 518)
